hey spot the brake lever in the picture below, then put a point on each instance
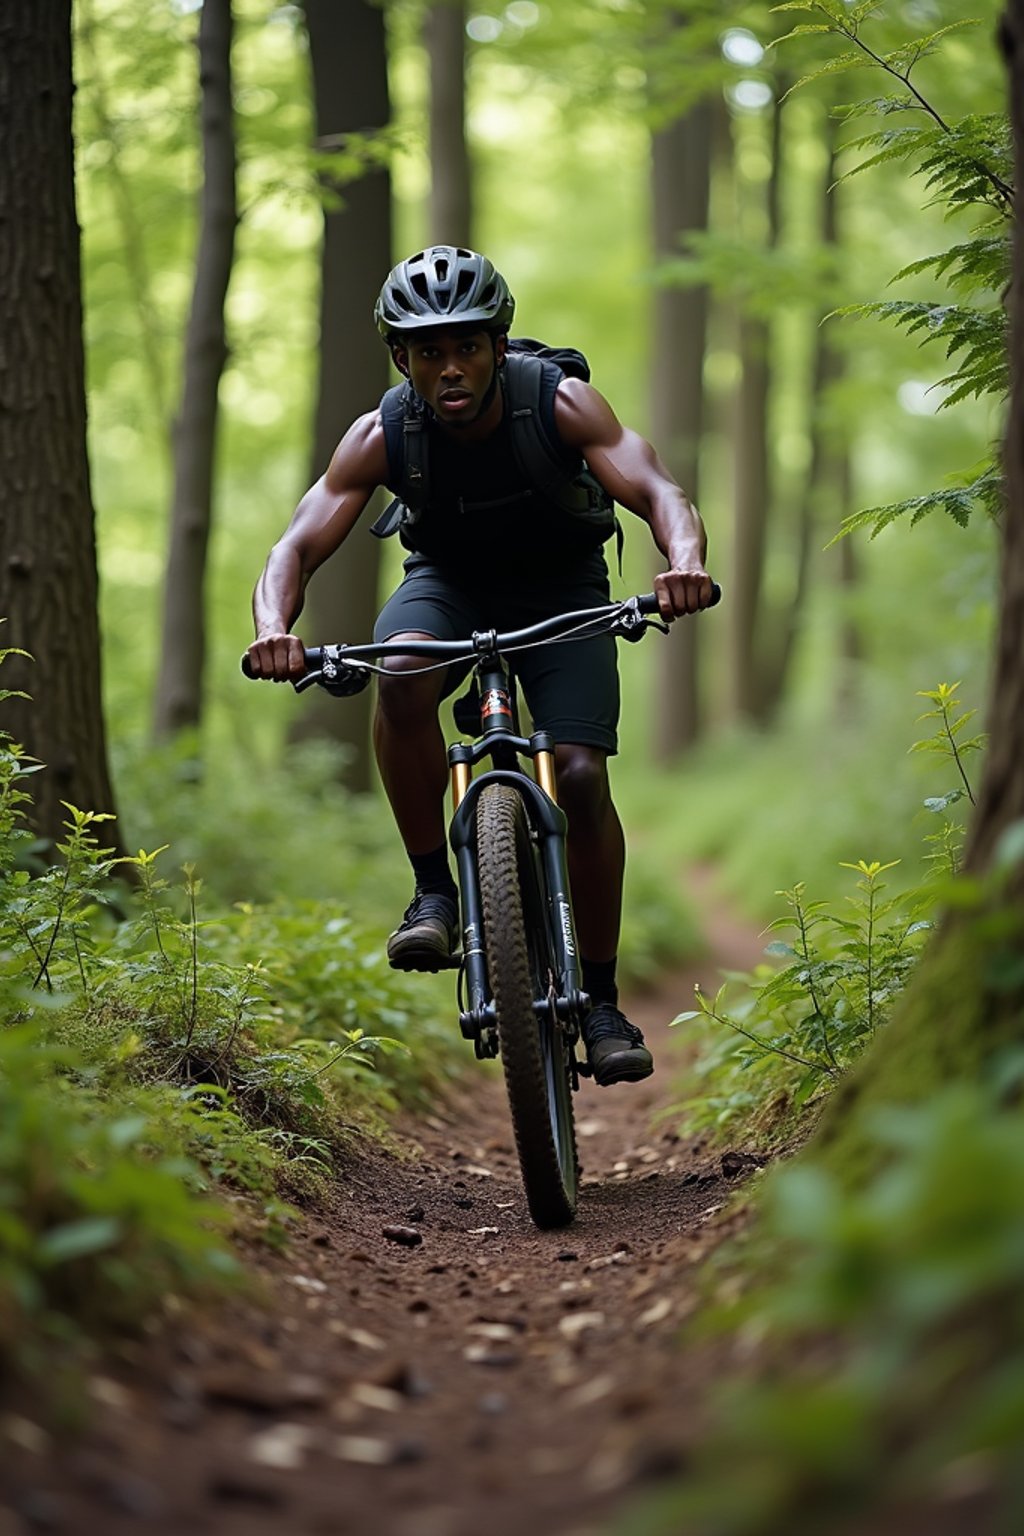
(307, 680)
(632, 625)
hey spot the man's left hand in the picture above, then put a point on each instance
(682, 591)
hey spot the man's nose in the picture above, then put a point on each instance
(452, 368)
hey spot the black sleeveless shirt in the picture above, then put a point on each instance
(484, 519)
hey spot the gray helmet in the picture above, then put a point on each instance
(443, 283)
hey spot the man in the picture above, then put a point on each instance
(491, 548)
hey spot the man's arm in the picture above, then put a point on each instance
(322, 521)
(630, 471)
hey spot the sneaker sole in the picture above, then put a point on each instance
(624, 1072)
(424, 960)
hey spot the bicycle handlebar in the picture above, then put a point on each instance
(629, 613)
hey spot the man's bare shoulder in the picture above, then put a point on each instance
(361, 457)
(582, 414)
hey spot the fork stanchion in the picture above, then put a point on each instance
(460, 762)
(543, 753)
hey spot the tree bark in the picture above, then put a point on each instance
(1001, 796)
(349, 64)
(824, 481)
(48, 576)
(752, 475)
(681, 173)
(451, 199)
(178, 702)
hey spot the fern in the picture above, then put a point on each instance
(959, 501)
(967, 165)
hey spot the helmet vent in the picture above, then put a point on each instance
(464, 284)
(441, 268)
(418, 280)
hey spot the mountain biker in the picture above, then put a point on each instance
(490, 551)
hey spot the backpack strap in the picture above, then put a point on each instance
(544, 464)
(405, 440)
(530, 383)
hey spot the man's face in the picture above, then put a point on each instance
(452, 370)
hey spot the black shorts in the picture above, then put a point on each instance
(572, 690)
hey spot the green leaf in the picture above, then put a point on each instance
(76, 1239)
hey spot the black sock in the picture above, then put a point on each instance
(599, 980)
(432, 872)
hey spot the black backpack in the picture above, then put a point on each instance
(529, 366)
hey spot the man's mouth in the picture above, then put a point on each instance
(455, 399)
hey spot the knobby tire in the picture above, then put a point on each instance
(533, 1051)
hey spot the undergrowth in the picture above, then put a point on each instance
(163, 1055)
(774, 1041)
(875, 1338)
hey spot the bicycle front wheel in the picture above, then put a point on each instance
(534, 1052)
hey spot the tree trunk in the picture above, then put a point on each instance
(350, 86)
(851, 641)
(178, 702)
(752, 475)
(451, 205)
(823, 482)
(48, 578)
(681, 168)
(1001, 797)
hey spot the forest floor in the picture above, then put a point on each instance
(466, 1374)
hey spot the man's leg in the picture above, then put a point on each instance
(410, 748)
(597, 857)
(413, 766)
(596, 848)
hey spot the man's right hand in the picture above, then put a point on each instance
(277, 658)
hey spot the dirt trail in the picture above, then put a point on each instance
(487, 1378)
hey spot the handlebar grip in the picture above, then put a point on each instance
(648, 603)
(246, 666)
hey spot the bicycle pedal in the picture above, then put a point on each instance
(424, 963)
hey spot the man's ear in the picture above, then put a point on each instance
(500, 348)
(400, 358)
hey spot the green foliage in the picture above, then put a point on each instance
(101, 1206)
(887, 1334)
(967, 166)
(801, 1026)
(968, 494)
(149, 1061)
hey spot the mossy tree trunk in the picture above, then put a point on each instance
(48, 576)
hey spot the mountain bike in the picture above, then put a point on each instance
(520, 992)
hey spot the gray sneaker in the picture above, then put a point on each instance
(427, 939)
(615, 1047)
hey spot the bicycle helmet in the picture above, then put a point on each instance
(443, 283)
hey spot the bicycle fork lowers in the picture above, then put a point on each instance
(563, 1004)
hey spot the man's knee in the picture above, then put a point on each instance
(404, 698)
(582, 778)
